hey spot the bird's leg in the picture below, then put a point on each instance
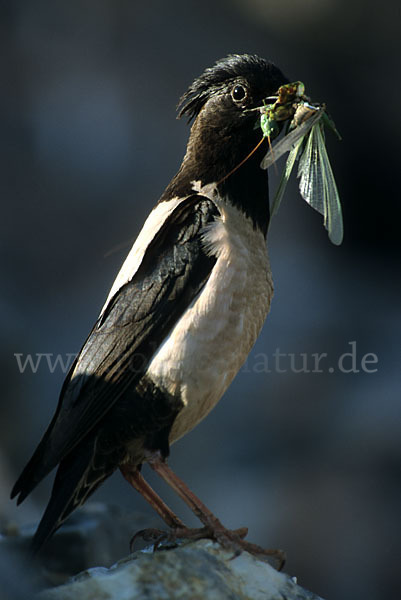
(178, 528)
(134, 477)
(213, 529)
(183, 491)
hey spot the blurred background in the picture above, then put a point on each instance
(310, 461)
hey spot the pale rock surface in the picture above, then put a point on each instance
(195, 571)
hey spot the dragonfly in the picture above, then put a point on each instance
(305, 142)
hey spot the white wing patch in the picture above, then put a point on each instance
(150, 228)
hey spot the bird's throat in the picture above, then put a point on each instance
(231, 164)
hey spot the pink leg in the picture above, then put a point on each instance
(134, 477)
(213, 527)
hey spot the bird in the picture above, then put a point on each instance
(181, 317)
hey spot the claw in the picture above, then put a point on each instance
(231, 540)
(156, 536)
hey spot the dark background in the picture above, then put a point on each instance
(88, 141)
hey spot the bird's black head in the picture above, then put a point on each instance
(233, 85)
(225, 130)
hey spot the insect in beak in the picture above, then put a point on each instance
(304, 140)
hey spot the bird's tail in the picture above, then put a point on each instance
(40, 465)
(76, 479)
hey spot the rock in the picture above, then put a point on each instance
(96, 534)
(194, 570)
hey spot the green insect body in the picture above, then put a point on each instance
(282, 109)
(268, 124)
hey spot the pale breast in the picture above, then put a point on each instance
(209, 344)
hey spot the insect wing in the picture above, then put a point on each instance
(328, 122)
(317, 185)
(285, 176)
(288, 141)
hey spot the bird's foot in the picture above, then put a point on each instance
(158, 536)
(231, 540)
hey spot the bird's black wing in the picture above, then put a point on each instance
(174, 269)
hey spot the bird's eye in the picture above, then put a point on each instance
(238, 93)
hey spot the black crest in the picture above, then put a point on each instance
(225, 70)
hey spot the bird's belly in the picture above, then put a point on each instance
(211, 341)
